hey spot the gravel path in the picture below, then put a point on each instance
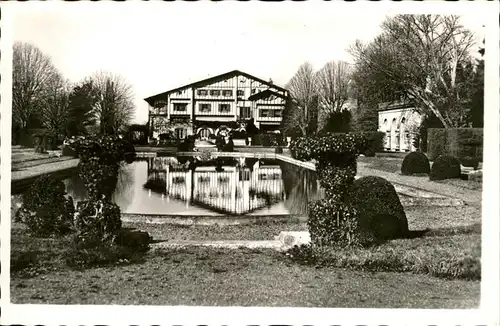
(470, 196)
(37, 170)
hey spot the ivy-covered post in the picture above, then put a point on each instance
(331, 220)
(98, 218)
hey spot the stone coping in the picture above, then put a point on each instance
(206, 220)
(284, 241)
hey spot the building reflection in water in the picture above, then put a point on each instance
(227, 185)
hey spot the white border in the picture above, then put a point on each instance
(142, 315)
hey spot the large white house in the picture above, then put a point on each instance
(206, 107)
(400, 122)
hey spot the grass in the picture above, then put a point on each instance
(456, 256)
(440, 270)
(221, 277)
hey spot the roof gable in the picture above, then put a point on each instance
(213, 79)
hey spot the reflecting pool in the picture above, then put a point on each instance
(198, 186)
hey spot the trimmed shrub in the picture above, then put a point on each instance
(220, 142)
(375, 143)
(458, 142)
(187, 145)
(136, 240)
(332, 223)
(445, 167)
(378, 209)
(415, 162)
(327, 146)
(45, 210)
(229, 147)
(97, 220)
(470, 161)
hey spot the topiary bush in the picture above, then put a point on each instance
(45, 209)
(445, 167)
(97, 220)
(379, 212)
(332, 221)
(415, 162)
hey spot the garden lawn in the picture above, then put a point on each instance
(244, 277)
(222, 277)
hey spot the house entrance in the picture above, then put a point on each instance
(204, 134)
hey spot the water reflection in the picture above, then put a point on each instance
(190, 185)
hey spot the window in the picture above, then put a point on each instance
(180, 107)
(244, 175)
(241, 92)
(214, 92)
(202, 92)
(179, 93)
(227, 93)
(178, 180)
(277, 113)
(245, 112)
(265, 113)
(180, 133)
(205, 107)
(224, 108)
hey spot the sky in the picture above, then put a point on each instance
(158, 46)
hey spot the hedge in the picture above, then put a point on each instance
(457, 142)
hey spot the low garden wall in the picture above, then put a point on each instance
(457, 142)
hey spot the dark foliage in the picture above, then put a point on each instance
(45, 210)
(379, 212)
(229, 147)
(82, 100)
(278, 150)
(415, 162)
(251, 128)
(375, 143)
(445, 167)
(187, 145)
(430, 121)
(470, 161)
(220, 143)
(81, 255)
(97, 220)
(324, 146)
(338, 121)
(136, 240)
(267, 140)
(332, 223)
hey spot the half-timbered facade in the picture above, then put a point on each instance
(208, 106)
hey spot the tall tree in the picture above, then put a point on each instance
(114, 106)
(302, 109)
(332, 85)
(55, 105)
(32, 75)
(421, 55)
(82, 100)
